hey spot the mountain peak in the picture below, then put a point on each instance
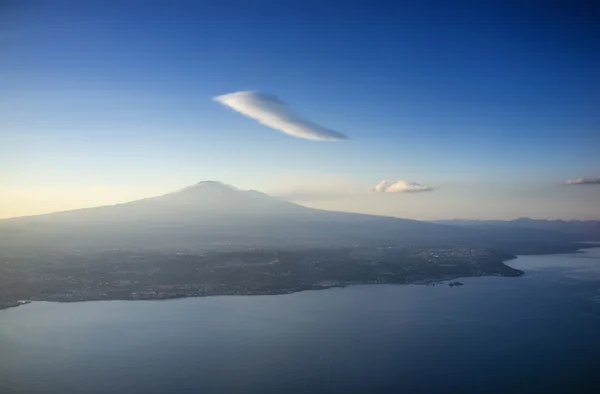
(215, 184)
(210, 185)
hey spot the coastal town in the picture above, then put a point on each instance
(165, 274)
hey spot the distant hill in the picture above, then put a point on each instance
(211, 214)
(580, 229)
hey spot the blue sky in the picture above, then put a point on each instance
(492, 104)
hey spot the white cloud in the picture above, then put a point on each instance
(595, 180)
(272, 112)
(400, 186)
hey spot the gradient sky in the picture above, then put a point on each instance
(493, 104)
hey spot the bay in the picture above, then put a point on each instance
(536, 333)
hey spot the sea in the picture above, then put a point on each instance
(539, 333)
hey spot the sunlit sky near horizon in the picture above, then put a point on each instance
(479, 109)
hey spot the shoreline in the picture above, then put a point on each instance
(422, 282)
(13, 304)
(257, 294)
(428, 282)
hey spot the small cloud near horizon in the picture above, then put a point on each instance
(274, 113)
(400, 186)
(584, 181)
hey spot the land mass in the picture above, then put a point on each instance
(131, 275)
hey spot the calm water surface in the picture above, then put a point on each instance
(536, 333)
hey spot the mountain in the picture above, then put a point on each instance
(203, 201)
(211, 214)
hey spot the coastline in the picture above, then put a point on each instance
(324, 285)
(13, 304)
(436, 281)
(432, 281)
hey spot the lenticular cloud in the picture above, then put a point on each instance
(272, 112)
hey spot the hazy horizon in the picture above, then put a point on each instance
(305, 200)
